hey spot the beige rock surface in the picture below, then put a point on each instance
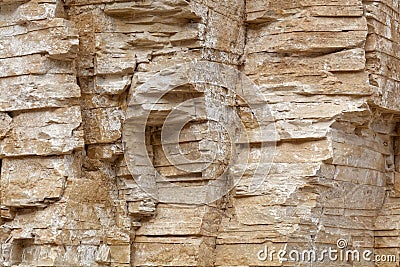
(71, 76)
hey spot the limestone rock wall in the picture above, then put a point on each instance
(68, 73)
(383, 65)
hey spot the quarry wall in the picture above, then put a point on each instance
(71, 74)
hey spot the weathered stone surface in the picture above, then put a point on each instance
(105, 125)
(264, 11)
(35, 181)
(178, 221)
(49, 132)
(31, 92)
(105, 152)
(70, 81)
(36, 59)
(176, 251)
(307, 42)
(5, 124)
(51, 44)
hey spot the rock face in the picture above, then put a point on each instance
(77, 78)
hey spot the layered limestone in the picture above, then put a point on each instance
(73, 77)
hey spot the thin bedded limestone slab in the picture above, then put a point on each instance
(44, 132)
(306, 42)
(176, 251)
(175, 220)
(35, 64)
(56, 38)
(38, 91)
(32, 181)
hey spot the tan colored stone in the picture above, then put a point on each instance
(35, 64)
(270, 64)
(34, 181)
(105, 125)
(174, 220)
(328, 70)
(45, 40)
(358, 156)
(46, 132)
(120, 254)
(106, 152)
(176, 251)
(307, 42)
(32, 92)
(5, 124)
(312, 151)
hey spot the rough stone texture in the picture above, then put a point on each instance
(68, 72)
